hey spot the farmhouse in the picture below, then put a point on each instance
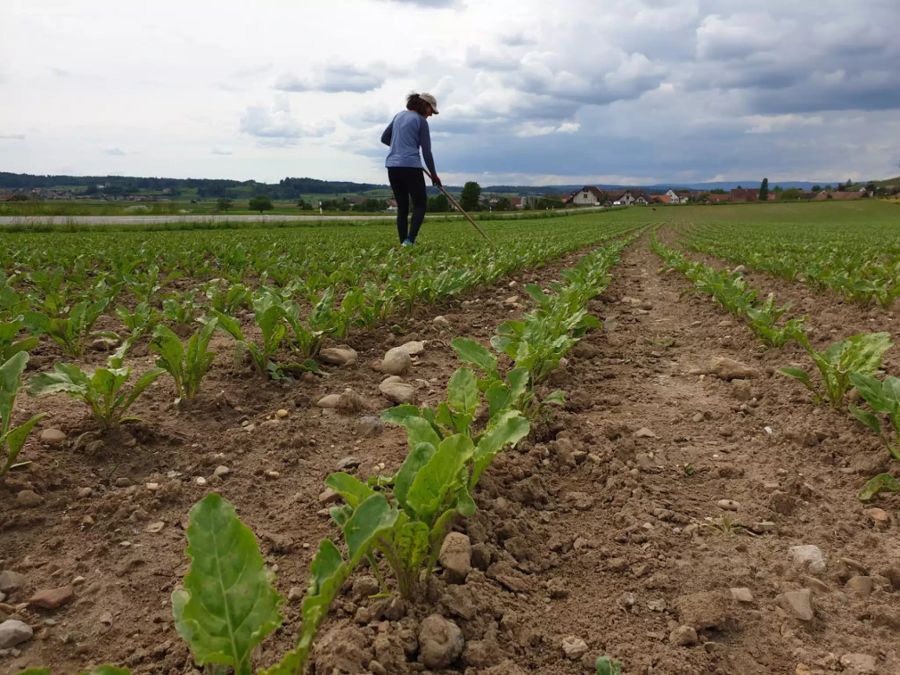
(588, 196)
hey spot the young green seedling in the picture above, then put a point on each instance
(12, 438)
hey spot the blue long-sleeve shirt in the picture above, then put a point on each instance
(406, 133)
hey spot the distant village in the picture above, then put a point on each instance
(587, 196)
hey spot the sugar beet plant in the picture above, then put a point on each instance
(105, 390)
(186, 363)
(12, 438)
(883, 399)
(860, 353)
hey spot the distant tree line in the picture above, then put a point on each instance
(207, 188)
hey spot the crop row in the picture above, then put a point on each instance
(396, 524)
(850, 363)
(321, 284)
(858, 261)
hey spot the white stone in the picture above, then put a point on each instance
(808, 556)
(574, 647)
(13, 632)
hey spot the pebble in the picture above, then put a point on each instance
(397, 391)
(348, 463)
(281, 413)
(271, 474)
(441, 322)
(683, 636)
(84, 492)
(798, 604)
(741, 595)
(329, 401)
(440, 642)
(122, 482)
(880, 517)
(728, 504)
(574, 647)
(338, 356)
(456, 557)
(29, 498)
(14, 632)
(11, 581)
(644, 432)
(153, 528)
(859, 664)
(329, 496)
(860, 585)
(52, 598)
(152, 487)
(221, 471)
(396, 361)
(808, 556)
(201, 481)
(53, 436)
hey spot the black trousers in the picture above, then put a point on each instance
(407, 182)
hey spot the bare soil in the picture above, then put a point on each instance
(607, 525)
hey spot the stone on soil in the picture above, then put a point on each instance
(707, 609)
(683, 636)
(809, 557)
(11, 581)
(440, 642)
(729, 369)
(859, 664)
(338, 356)
(574, 647)
(413, 347)
(53, 436)
(861, 585)
(396, 390)
(396, 362)
(14, 632)
(52, 598)
(798, 604)
(29, 498)
(741, 595)
(456, 557)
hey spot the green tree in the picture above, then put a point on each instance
(503, 204)
(764, 190)
(816, 188)
(261, 203)
(470, 195)
(223, 204)
(438, 204)
(303, 206)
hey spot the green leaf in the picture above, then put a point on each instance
(64, 377)
(228, 604)
(429, 489)
(866, 418)
(108, 670)
(607, 666)
(883, 482)
(35, 671)
(797, 373)
(411, 543)
(463, 398)
(555, 397)
(508, 429)
(470, 351)
(14, 439)
(415, 460)
(498, 398)
(231, 325)
(350, 488)
(371, 516)
(10, 381)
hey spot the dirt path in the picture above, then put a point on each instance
(606, 527)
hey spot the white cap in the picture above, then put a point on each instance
(430, 100)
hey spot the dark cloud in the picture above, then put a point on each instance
(333, 78)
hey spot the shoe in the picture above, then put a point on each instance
(407, 242)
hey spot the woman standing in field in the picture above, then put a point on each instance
(406, 134)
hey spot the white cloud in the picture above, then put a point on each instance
(639, 89)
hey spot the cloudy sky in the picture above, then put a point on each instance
(529, 91)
